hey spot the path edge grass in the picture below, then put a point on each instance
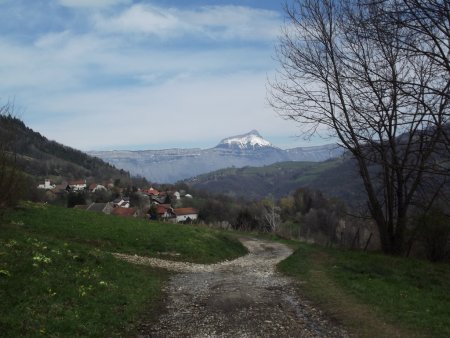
(58, 263)
(312, 268)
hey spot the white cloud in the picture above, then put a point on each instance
(235, 22)
(140, 19)
(88, 89)
(53, 39)
(90, 3)
(196, 92)
(64, 61)
(215, 22)
(208, 108)
(58, 61)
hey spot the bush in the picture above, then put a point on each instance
(434, 229)
(76, 198)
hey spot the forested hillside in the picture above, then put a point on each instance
(39, 157)
(336, 178)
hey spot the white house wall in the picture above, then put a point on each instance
(185, 217)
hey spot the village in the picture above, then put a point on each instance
(143, 203)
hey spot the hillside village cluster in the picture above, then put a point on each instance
(156, 205)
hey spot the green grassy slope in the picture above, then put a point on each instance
(375, 295)
(118, 234)
(58, 277)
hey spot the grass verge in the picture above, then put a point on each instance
(58, 278)
(125, 235)
(375, 295)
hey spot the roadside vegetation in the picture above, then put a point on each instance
(58, 277)
(373, 294)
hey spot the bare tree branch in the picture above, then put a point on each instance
(375, 75)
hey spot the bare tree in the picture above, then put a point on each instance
(428, 27)
(347, 71)
(271, 214)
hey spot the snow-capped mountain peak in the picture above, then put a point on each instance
(250, 140)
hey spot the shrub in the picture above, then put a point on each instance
(434, 229)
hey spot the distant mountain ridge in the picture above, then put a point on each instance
(337, 177)
(172, 165)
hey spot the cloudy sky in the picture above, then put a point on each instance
(135, 74)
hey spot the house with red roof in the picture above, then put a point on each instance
(152, 192)
(185, 214)
(96, 187)
(125, 212)
(164, 211)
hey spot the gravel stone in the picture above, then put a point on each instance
(245, 297)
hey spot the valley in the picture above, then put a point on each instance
(172, 165)
(225, 169)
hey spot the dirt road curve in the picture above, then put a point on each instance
(245, 297)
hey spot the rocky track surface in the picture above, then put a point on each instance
(245, 297)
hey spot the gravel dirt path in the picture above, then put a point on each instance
(245, 297)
